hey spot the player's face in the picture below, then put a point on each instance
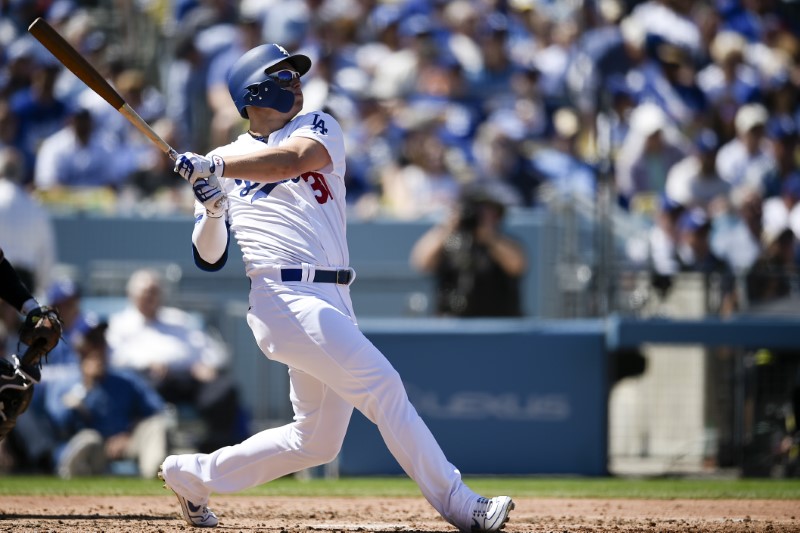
(288, 78)
(148, 300)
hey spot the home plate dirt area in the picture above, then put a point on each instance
(377, 515)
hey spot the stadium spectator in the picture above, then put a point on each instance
(662, 243)
(497, 69)
(729, 81)
(461, 19)
(26, 228)
(475, 265)
(672, 22)
(737, 228)
(185, 103)
(693, 181)
(186, 365)
(38, 111)
(9, 126)
(227, 124)
(777, 210)
(651, 148)
(747, 158)
(670, 82)
(693, 254)
(501, 163)
(81, 29)
(783, 136)
(565, 173)
(422, 185)
(105, 415)
(693, 250)
(771, 276)
(601, 62)
(81, 154)
(396, 63)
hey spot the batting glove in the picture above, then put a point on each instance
(208, 192)
(193, 166)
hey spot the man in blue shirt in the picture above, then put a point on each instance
(105, 414)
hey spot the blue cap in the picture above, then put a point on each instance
(791, 186)
(618, 86)
(385, 15)
(60, 10)
(62, 290)
(415, 25)
(781, 128)
(706, 141)
(496, 22)
(90, 329)
(693, 220)
(88, 322)
(668, 204)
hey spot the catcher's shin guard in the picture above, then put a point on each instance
(16, 391)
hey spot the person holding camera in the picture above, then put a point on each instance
(477, 267)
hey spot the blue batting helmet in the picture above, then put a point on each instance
(248, 82)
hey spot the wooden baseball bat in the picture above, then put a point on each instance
(79, 66)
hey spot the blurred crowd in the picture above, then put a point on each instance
(122, 390)
(686, 111)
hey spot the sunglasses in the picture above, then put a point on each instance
(284, 77)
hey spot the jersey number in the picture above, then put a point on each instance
(318, 183)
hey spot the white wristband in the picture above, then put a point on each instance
(29, 306)
(219, 165)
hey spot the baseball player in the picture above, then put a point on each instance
(40, 332)
(280, 189)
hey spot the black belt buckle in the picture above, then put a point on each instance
(342, 277)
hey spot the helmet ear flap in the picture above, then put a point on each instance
(267, 94)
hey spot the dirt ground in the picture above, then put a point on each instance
(374, 515)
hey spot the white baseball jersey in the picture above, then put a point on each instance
(300, 220)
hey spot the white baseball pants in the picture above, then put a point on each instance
(333, 367)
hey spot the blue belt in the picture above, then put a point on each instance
(340, 277)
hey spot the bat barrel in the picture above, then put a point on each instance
(75, 62)
(79, 66)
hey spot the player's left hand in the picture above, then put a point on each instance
(192, 166)
(208, 192)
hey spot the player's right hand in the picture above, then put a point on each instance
(192, 166)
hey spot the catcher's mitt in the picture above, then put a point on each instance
(40, 331)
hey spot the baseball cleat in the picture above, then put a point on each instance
(195, 515)
(491, 514)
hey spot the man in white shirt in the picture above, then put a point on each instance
(693, 181)
(26, 229)
(81, 155)
(747, 158)
(182, 362)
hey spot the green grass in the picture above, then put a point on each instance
(661, 488)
